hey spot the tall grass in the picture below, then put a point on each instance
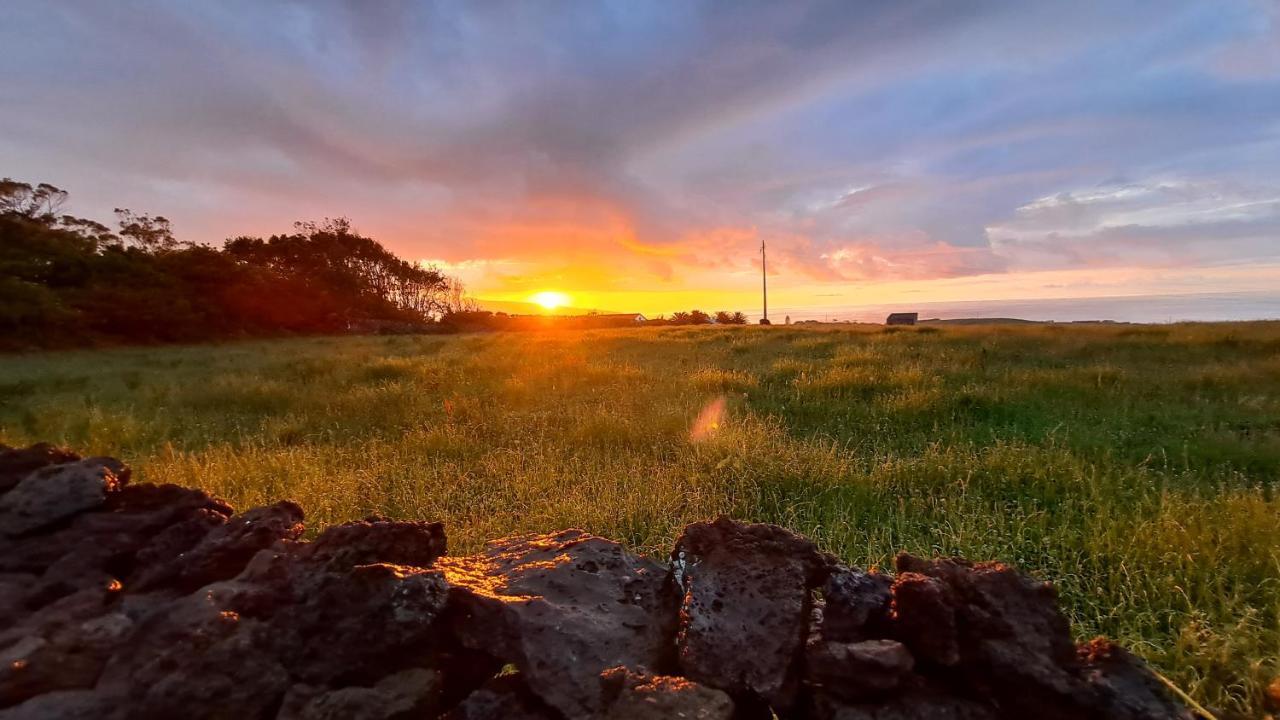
(1135, 466)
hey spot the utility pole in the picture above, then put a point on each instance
(764, 284)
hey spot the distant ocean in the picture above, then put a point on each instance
(1205, 307)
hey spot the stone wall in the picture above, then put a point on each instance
(122, 600)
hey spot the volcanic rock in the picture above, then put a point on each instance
(17, 463)
(856, 605)
(377, 540)
(859, 670)
(505, 697)
(563, 608)
(198, 659)
(924, 617)
(59, 656)
(1126, 687)
(66, 705)
(644, 697)
(137, 527)
(225, 550)
(381, 616)
(408, 693)
(58, 492)
(1011, 636)
(745, 608)
(921, 705)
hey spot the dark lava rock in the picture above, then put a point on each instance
(924, 617)
(377, 540)
(859, 670)
(636, 696)
(59, 645)
(503, 698)
(197, 659)
(408, 693)
(57, 492)
(233, 648)
(856, 605)
(137, 527)
(1009, 619)
(563, 608)
(920, 705)
(354, 627)
(17, 463)
(66, 705)
(745, 608)
(61, 658)
(1013, 641)
(15, 588)
(1128, 690)
(225, 550)
(1014, 644)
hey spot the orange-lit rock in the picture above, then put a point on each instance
(563, 608)
(745, 608)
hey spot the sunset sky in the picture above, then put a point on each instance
(634, 155)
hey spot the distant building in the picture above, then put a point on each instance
(612, 319)
(902, 319)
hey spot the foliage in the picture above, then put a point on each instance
(1135, 466)
(698, 317)
(70, 281)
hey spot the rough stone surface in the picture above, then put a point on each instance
(924, 617)
(660, 697)
(856, 604)
(45, 657)
(378, 540)
(502, 698)
(745, 608)
(516, 602)
(224, 551)
(197, 658)
(921, 705)
(409, 693)
(1006, 639)
(137, 527)
(858, 670)
(17, 463)
(139, 601)
(1126, 687)
(57, 492)
(64, 705)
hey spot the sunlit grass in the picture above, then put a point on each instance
(1135, 466)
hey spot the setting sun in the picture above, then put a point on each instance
(549, 299)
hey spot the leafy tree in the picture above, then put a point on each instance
(66, 280)
(40, 202)
(723, 317)
(692, 317)
(151, 234)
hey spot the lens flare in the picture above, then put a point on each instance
(709, 420)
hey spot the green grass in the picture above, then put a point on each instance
(1135, 466)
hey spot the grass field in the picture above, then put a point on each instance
(1136, 466)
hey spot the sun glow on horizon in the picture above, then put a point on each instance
(549, 299)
